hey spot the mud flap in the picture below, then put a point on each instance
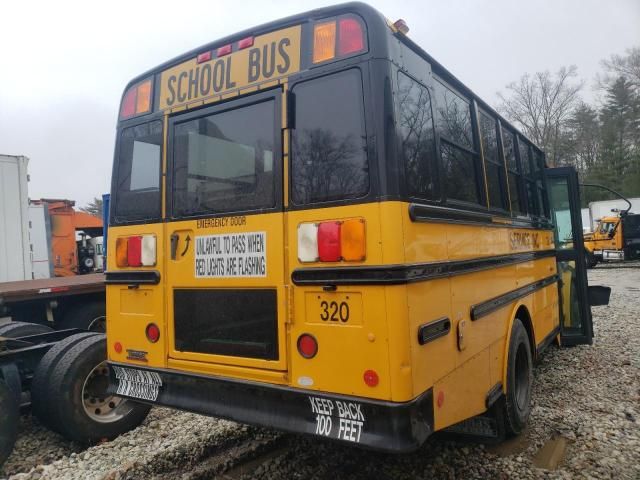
(486, 428)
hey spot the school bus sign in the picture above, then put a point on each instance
(271, 56)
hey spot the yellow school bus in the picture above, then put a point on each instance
(315, 227)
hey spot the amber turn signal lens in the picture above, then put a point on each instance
(352, 240)
(143, 101)
(122, 252)
(324, 41)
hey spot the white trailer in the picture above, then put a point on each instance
(40, 241)
(604, 208)
(15, 258)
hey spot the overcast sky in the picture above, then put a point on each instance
(63, 64)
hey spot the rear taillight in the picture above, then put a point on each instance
(137, 100)
(338, 38)
(152, 332)
(332, 241)
(329, 242)
(136, 251)
(307, 345)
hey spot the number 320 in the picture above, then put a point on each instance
(334, 311)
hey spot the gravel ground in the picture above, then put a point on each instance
(588, 395)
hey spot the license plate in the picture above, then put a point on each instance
(343, 308)
(137, 383)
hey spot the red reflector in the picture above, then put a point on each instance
(128, 108)
(440, 400)
(225, 50)
(134, 252)
(307, 345)
(371, 378)
(153, 332)
(329, 241)
(351, 38)
(59, 289)
(245, 42)
(117, 347)
(203, 57)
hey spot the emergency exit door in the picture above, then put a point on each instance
(576, 326)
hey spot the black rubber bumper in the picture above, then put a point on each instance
(385, 426)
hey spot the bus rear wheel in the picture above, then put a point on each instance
(590, 259)
(517, 401)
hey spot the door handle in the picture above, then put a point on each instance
(174, 245)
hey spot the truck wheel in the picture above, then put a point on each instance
(41, 385)
(23, 329)
(590, 259)
(86, 316)
(81, 405)
(9, 418)
(517, 401)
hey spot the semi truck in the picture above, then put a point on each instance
(616, 231)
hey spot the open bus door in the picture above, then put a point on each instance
(576, 298)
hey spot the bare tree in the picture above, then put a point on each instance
(541, 104)
(626, 66)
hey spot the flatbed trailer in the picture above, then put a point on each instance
(60, 302)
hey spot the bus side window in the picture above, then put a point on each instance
(496, 181)
(514, 176)
(524, 149)
(459, 157)
(417, 138)
(538, 166)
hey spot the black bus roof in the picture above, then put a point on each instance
(375, 21)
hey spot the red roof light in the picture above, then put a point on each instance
(351, 37)
(224, 50)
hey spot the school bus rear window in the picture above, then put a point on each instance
(329, 146)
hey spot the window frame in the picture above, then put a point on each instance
(437, 167)
(368, 123)
(522, 213)
(499, 162)
(275, 95)
(481, 204)
(529, 178)
(117, 165)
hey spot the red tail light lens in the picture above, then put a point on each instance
(152, 332)
(329, 242)
(117, 347)
(351, 37)
(134, 252)
(371, 378)
(307, 345)
(128, 108)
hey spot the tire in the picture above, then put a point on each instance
(9, 419)
(86, 316)
(517, 400)
(41, 384)
(80, 405)
(590, 259)
(88, 263)
(23, 329)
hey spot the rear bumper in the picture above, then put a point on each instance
(386, 426)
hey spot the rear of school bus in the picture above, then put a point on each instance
(245, 172)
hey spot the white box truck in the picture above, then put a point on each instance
(15, 261)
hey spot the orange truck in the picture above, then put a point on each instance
(68, 257)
